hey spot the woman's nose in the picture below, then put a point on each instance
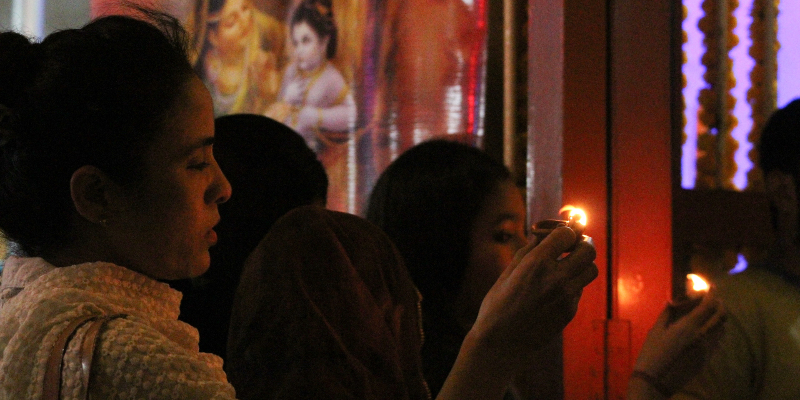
(220, 190)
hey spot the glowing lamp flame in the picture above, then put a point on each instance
(574, 211)
(698, 283)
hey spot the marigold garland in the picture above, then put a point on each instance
(715, 163)
(763, 93)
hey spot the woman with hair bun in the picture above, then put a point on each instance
(108, 185)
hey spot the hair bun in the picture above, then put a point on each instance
(19, 59)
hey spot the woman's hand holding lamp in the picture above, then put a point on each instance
(576, 220)
(696, 288)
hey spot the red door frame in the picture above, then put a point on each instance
(601, 119)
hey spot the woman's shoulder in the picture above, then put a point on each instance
(758, 297)
(762, 281)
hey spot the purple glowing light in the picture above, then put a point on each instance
(789, 53)
(742, 65)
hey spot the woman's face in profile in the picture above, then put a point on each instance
(235, 25)
(497, 233)
(309, 47)
(166, 226)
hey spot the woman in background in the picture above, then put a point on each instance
(458, 219)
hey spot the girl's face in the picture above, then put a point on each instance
(235, 25)
(309, 48)
(497, 233)
(165, 227)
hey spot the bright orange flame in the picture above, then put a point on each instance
(698, 284)
(573, 211)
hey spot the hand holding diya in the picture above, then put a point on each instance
(576, 220)
(696, 288)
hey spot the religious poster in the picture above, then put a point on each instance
(360, 80)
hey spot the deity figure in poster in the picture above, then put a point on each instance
(361, 80)
(279, 59)
(315, 99)
(239, 51)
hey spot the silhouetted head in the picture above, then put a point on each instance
(272, 170)
(779, 159)
(427, 201)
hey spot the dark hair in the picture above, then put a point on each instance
(427, 201)
(272, 171)
(779, 146)
(98, 95)
(318, 14)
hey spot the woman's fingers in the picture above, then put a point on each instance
(707, 311)
(701, 323)
(555, 244)
(587, 275)
(716, 319)
(535, 296)
(535, 257)
(663, 319)
(579, 260)
(518, 256)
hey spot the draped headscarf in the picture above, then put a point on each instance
(325, 309)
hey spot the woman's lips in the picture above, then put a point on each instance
(211, 236)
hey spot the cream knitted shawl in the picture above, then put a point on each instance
(147, 355)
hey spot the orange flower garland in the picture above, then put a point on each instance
(763, 93)
(684, 40)
(715, 163)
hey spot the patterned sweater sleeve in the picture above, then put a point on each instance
(133, 360)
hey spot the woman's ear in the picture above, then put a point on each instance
(93, 193)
